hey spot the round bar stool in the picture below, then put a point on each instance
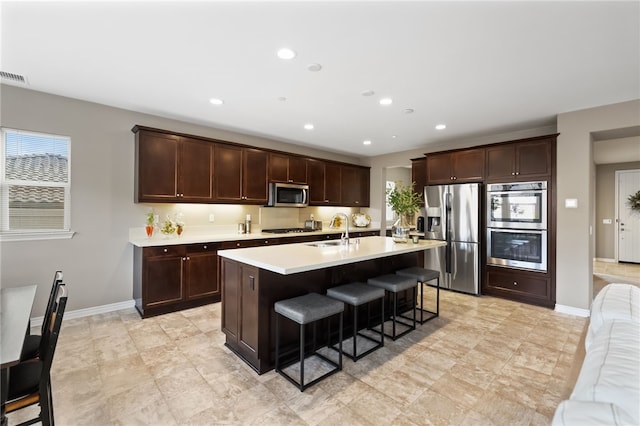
(422, 276)
(357, 294)
(308, 309)
(395, 284)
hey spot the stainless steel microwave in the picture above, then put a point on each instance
(518, 205)
(288, 195)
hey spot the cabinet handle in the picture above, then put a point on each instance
(252, 282)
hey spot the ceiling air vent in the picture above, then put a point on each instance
(14, 78)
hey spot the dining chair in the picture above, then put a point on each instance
(30, 381)
(31, 345)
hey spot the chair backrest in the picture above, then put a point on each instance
(51, 304)
(49, 338)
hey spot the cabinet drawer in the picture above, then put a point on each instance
(177, 250)
(202, 247)
(520, 283)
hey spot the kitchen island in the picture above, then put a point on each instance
(253, 279)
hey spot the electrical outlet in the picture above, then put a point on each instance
(212, 218)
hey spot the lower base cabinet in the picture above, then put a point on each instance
(174, 277)
(523, 286)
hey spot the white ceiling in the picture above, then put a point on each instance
(480, 67)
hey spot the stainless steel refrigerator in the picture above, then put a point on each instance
(453, 215)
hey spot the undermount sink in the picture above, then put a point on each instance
(329, 243)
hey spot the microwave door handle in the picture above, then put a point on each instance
(305, 196)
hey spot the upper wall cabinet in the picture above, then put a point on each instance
(419, 175)
(172, 168)
(325, 183)
(287, 168)
(240, 175)
(519, 161)
(456, 166)
(354, 186)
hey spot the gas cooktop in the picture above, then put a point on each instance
(286, 230)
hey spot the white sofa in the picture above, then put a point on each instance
(607, 391)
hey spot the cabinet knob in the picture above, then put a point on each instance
(515, 283)
(266, 241)
(165, 250)
(205, 247)
(513, 173)
(188, 258)
(517, 173)
(237, 244)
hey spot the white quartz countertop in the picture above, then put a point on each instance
(189, 237)
(301, 257)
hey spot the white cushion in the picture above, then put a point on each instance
(614, 302)
(581, 413)
(611, 368)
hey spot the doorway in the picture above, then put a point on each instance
(627, 219)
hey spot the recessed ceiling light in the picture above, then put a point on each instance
(386, 101)
(308, 126)
(367, 93)
(367, 142)
(216, 101)
(441, 126)
(408, 111)
(286, 53)
(314, 67)
(393, 136)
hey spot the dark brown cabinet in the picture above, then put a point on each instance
(519, 161)
(172, 168)
(287, 168)
(354, 186)
(523, 286)
(240, 175)
(325, 183)
(240, 311)
(173, 277)
(419, 175)
(456, 166)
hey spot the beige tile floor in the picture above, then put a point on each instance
(620, 272)
(483, 361)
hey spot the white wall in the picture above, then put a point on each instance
(98, 261)
(576, 179)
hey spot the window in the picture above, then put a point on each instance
(389, 214)
(35, 185)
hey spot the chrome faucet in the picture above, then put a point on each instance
(345, 236)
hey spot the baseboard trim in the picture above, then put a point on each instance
(570, 310)
(605, 259)
(80, 313)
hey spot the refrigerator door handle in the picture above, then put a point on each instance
(447, 253)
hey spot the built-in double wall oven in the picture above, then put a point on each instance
(517, 225)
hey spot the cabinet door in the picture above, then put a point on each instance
(163, 280)
(297, 169)
(254, 176)
(468, 165)
(315, 177)
(202, 271)
(419, 175)
(196, 170)
(439, 168)
(354, 186)
(157, 166)
(278, 168)
(228, 173)
(332, 184)
(249, 308)
(230, 277)
(501, 163)
(533, 159)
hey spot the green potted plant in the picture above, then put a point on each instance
(404, 202)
